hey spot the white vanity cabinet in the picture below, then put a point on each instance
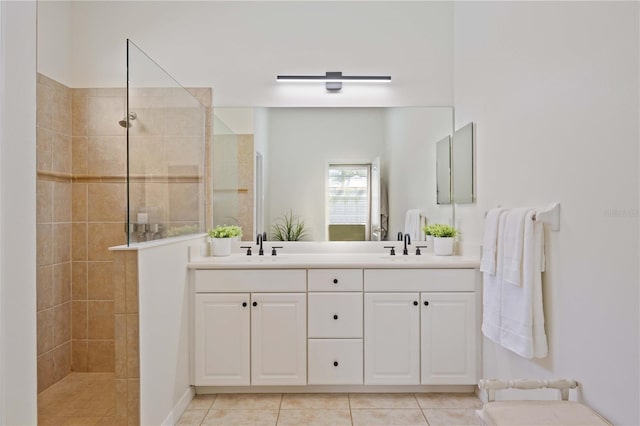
(420, 326)
(256, 336)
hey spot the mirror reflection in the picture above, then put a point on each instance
(443, 170)
(462, 164)
(346, 173)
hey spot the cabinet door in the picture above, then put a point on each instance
(391, 338)
(448, 338)
(221, 339)
(278, 339)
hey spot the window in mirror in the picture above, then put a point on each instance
(348, 198)
(443, 170)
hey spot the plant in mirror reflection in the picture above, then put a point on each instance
(288, 227)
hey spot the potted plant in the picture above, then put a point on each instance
(221, 237)
(288, 227)
(428, 232)
(443, 237)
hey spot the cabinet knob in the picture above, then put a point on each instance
(335, 281)
(335, 317)
(415, 303)
(335, 363)
(244, 304)
(426, 303)
(255, 303)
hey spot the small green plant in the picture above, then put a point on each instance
(287, 227)
(428, 229)
(443, 231)
(225, 231)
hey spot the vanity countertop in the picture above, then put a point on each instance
(338, 260)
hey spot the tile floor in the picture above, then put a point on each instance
(433, 409)
(79, 399)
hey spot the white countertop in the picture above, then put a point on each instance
(337, 260)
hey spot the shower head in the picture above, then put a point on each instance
(126, 123)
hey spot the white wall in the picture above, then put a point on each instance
(164, 329)
(235, 48)
(18, 213)
(302, 143)
(553, 89)
(54, 40)
(411, 135)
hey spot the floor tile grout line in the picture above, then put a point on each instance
(421, 409)
(350, 412)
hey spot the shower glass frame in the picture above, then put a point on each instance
(166, 167)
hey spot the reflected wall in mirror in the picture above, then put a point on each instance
(297, 145)
(443, 170)
(462, 165)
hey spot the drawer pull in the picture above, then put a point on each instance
(244, 304)
(335, 363)
(335, 317)
(415, 303)
(426, 303)
(335, 281)
(255, 303)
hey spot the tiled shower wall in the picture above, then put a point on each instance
(53, 142)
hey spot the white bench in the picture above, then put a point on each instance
(539, 413)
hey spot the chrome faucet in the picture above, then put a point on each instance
(407, 241)
(259, 239)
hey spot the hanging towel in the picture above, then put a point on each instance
(513, 245)
(492, 289)
(522, 318)
(413, 224)
(489, 243)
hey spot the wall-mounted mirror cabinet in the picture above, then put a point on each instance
(443, 170)
(462, 165)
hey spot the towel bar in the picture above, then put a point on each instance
(550, 216)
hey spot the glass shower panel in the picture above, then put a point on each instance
(166, 134)
(225, 176)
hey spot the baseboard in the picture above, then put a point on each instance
(337, 389)
(180, 407)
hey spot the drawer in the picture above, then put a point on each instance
(335, 315)
(335, 361)
(250, 280)
(380, 280)
(335, 279)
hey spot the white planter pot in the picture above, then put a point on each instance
(443, 246)
(221, 246)
(429, 240)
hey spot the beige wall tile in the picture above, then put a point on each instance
(102, 236)
(185, 151)
(133, 401)
(79, 241)
(107, 202)
(61, 324)
(104, 114)
(79, 202)
(44, 320)
(79, 355)
(44, 239)
(61, 153)
(62, 242)
(121, 409)
(184, 202)
(101, 356)
(79, 315)
(147, 155)
(131, 282)
(44, 105)
(45, 371)
(44, 201)
(150, 120)
(120, 92)
(107, 155)
(43, 149)
(44, 291)
(100, 281)
(133, 343)
(101, 319)
(119, 282)
(184, 122)
(120, 346)
(61, 110)
(80, 155)
(79, 280)
(61, 283)
(79, 112)
(151, 198)
(61, 361)
(61, 202)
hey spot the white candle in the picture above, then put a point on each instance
(143, 217)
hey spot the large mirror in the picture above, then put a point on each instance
(462, 165)
(443, 170)
(348, 173)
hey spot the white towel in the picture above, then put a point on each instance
(513, 245)
(492, 290)
(413, 224)
(522, 318)
(489, 243)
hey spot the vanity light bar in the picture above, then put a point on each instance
(334, 80)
